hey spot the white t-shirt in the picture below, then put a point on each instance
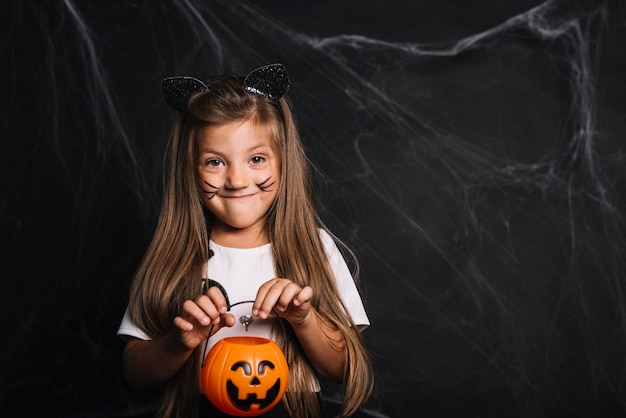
(241, 271)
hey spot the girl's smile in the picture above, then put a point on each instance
(238, 174)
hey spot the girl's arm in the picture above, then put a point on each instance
(151, 363)
(323, 345)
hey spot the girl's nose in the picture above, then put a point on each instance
(236, 178)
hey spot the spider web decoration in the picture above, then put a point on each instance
(479, 179)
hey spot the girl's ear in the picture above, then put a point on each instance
(178, 90)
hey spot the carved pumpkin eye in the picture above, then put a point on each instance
(247, 370)
(263, 365)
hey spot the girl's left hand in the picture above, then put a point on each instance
(290, 301)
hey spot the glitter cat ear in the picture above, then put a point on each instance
(178, 90)
(270, 81)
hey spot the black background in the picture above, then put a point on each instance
(473, 157)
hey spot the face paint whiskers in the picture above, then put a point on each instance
(210, 193)
(266, 184)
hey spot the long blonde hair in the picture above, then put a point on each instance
(173, 264)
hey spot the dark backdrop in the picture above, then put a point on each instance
(474, 159)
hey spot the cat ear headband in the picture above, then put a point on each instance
(271, 81)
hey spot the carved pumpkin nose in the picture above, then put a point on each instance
(255, 381)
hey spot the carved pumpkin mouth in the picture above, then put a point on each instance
(245, 404)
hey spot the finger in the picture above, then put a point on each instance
(267, 296)
(193, 312)
(183, 325)
(287, 296)
(190, 335)
(261, 295)
(276, 296)
(199, 311)
(217, 298)
(227, 320)
(304, 296)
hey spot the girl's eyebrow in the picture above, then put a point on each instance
(251, 150)
(207, 150)
(258, 147)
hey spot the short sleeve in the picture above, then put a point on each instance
(345, 282)
(128, 328)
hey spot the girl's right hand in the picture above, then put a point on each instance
(199, 315)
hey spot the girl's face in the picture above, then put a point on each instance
(238, 173)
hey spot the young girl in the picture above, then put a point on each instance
(238, 210)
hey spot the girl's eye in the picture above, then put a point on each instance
(214, 162)
(257, 159)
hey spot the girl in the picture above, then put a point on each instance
(238, 209)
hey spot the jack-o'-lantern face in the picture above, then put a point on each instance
(248, 385)
(245, 376)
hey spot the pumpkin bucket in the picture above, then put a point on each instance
(245, 376)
